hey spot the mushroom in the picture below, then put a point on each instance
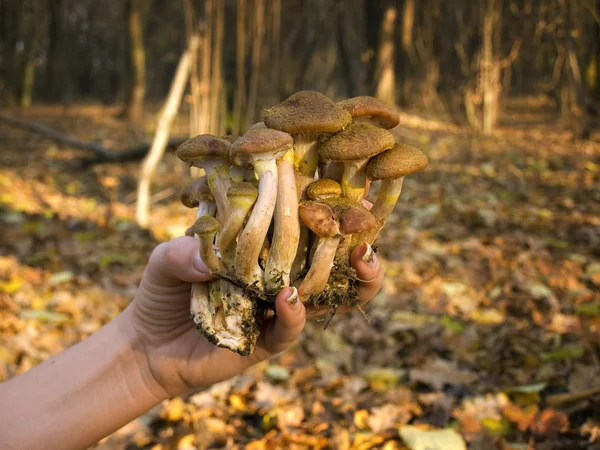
(366, 109)
(225, 315)
(354, 146)
(259, 148)
(323, 188)
(319, 190)
(210, 153)
(197, 195)
(363, 109)
(286, 228)
(257, 125)
(390, 167)
(306, 115)
(241, 197)
(330, 219)
(205, 228)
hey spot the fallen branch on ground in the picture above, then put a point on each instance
(102, 154)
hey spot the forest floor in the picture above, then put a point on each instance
(487, 326)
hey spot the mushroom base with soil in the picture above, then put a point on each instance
(341, 290)
(226, 315)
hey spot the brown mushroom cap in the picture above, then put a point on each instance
(401, 160)
(205, 224)
(357, 141)
(332, 216)
(260, 141)
(366, 106)
(194, 192)
(201, 146)
(257, 125)
(307, 112)
(319, 218)
(243, 189)
(229, 138)
(323, 188)
(353, 217)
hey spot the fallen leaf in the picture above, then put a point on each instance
(44, 316)
(439, 373)
(174, 409)
(290, 416)
(60, 278)
(551, 422)
(524, 418)
(385, 417)
(187, 442)
(277, 373)
(574, 351)
(418, 439)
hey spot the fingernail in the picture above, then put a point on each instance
(293, 299)
(369, 256)
(368, 253)
(199, 264)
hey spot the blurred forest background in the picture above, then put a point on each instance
(457, 59)
(486, 332)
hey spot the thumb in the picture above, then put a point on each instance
(178, 261)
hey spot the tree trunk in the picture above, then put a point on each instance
(204, 102)
(217, 63)
(489, 69)
(161, 137)
(25, 70)
(276, 51)
(596, 40)
(135, 108)
(239, 117)
(257, 42)
(386, 85)
(55, 68)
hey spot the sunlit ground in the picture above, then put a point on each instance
(488, 321)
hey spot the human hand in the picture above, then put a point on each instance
(178, 356)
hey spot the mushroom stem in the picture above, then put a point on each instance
(317, 276)
(388, 196)
(219, 182)
(241, 197)
(306, 161)
(207, 254)
(225, 315)
(286, 231)
(334, 171)
(300, 260)
(206, 208)
(253, 235)
(199, 301)
(205, 229)
(354, 179)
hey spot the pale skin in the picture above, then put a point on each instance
(149, 353)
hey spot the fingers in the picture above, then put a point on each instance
(176, 261)
(368, 270)
(287, 326)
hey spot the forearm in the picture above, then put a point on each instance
(81, 395)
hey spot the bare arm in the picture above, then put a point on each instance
(81, 395)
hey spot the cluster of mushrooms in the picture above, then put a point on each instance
(283, 205)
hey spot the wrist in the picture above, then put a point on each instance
(141, 356)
